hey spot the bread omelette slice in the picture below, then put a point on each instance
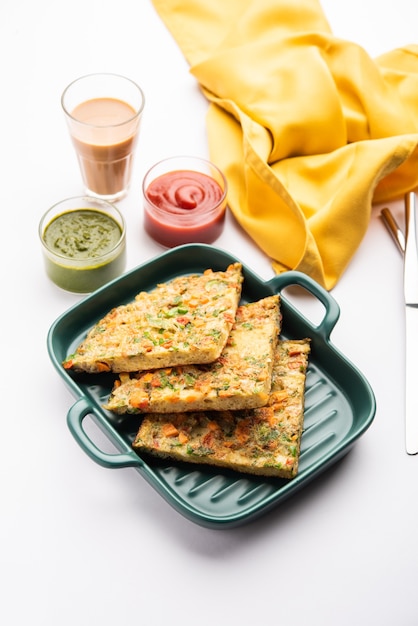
(264, 441)
(239, 378)
(185, 320)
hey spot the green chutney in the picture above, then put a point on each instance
(84, 249)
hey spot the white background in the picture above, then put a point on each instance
(83, 545)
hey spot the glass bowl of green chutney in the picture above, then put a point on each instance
(83, 242)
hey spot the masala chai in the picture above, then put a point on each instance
(104, 130)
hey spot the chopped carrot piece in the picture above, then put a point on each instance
(169, 430)
(139, 400)
(192, 398)
(278, 397)
(225, 393)
(183, 438)
(272, 419)
(294, 365)
(241, 431)
(182, 319)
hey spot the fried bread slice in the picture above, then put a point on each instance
(185, 320)
(239, 378)
(263, 441)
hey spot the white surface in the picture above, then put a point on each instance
(84, 545)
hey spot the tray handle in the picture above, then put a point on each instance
(75, 417)
(332, 309)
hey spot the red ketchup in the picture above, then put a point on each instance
(184, 206)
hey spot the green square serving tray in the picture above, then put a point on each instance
(339, 402)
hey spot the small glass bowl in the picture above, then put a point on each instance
(83, 243)
(185, 200)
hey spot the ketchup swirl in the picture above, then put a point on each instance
(184, 205)
(179, 192)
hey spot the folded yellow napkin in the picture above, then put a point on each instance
(308, 128)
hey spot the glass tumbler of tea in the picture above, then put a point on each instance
(103, 113)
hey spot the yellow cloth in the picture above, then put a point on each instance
(308, 128)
